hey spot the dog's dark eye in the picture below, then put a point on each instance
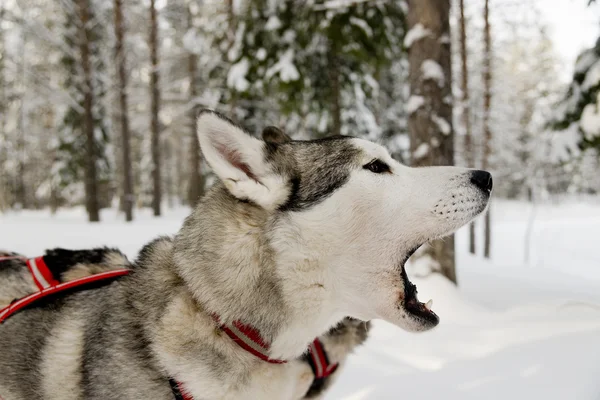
(377, 166)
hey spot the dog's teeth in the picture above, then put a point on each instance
(429, 304)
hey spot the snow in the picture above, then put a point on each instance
(261, 54)
(335, 4)
(365, 117)
(399, 143)
(273, 23)
(193, 42)
(421, 151)
(565, 144)
(442, 124)
(592, 78)
(362, 24)
(585, 61)
(414, 103)
(285, 68)
(236, 78)
(431, 70)
(590, 120)
(289, 36)
(234, 51)
(417, 32)
(511, 330)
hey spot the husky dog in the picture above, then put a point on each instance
(296, 236)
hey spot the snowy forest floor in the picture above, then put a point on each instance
(510, 330)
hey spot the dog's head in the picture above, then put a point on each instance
(343, 214)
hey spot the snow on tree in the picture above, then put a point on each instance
(318, 63)
(579, 111)
(314, 68)
(525, 87)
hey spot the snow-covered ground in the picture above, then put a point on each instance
(512, 330)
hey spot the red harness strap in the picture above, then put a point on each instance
(319, 360)
(319, 363)
(178, 392)
(42, 276)
(249, 339)
(47, 285)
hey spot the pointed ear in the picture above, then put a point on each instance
(272, 135)
(239, 160)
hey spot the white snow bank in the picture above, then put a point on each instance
(545, 352)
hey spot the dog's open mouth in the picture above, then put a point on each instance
(419, 311)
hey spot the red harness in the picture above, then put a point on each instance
(48, 285)
(245, 336)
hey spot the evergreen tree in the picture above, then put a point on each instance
(84, 136)
(317, 63)
(579, 111)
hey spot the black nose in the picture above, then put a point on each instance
(482, 179)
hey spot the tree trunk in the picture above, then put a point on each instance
(181, 177)
(232, 21)
(196, 185)
(466, 109)
(168, 171)
(155, 99)
(333, 69)
(487, 99)
(20, 188)
(4, 202)
(128, 198)
(91, 178)
(436, 96)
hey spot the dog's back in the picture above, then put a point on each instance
(73, 333)
(65, 265)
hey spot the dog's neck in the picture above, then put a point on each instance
(225, 256)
